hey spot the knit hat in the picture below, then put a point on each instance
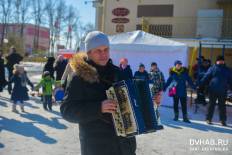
(220, 58)
(46, 73)
(141, 65)
(95, 39)
(201, 57)
(153, 64)
(178, 62)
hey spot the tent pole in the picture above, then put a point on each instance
(198, 70)
(211, 53)
(223, 50)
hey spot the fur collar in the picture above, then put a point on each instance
(173, 70)
(82, 69)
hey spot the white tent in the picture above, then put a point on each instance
(140, 47)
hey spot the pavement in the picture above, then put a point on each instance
(40, 132)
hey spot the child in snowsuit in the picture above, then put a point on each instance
(20, 91)
(46, 83)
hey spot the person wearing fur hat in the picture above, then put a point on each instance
(219, 79)
(20, 91)
(86, 103)
(179, 75)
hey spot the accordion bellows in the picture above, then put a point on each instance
(135, 113)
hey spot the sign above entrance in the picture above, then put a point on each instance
(120, 20)
(120, 12)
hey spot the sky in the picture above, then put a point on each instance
(86, 11)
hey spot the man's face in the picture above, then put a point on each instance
(154, 67)
(124, 63)
(60, 58)
(99, 55)
(141, 69)
(178, 66)
(220, 62)
(21, 70)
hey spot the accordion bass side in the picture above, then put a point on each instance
(135, 113)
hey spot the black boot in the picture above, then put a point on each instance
(223, 123)
(186, 120)
(209, 122)
(176, 118)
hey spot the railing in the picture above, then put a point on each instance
(190, 27)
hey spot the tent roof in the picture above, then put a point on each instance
(141, 37)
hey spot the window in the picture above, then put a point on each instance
(155, 11)
(159, 30)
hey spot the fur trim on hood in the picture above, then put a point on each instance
(174, 71)
(82, 69)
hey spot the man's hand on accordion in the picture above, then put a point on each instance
(108, 106)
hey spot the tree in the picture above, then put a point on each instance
(49, 8)
(21, 13)
(72, 19)
(88, 28)
(5, 11)
(56, 11)
(37, 7)
(16, 41)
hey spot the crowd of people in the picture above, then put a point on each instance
(86, 103)
(18, 77)
(86, 77)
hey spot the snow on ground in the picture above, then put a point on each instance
(39, 132)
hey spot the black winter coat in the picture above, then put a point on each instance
(49, 66)
(59, 67)
(219, 79)
(82, 104)
(141, 75)
(12, 59)
(2, 75)
(20, 91)
(127, 72)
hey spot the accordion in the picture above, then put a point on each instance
(135, 113)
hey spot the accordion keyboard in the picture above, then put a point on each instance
(117, 118)
(123, 117)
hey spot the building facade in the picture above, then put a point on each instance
(167, 18)
(186, 21)
(34, 37)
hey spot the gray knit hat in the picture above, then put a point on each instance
(95, 39)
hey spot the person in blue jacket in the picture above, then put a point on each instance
(179, 75)
(218, 78)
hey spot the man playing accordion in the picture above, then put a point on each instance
(86, 103)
